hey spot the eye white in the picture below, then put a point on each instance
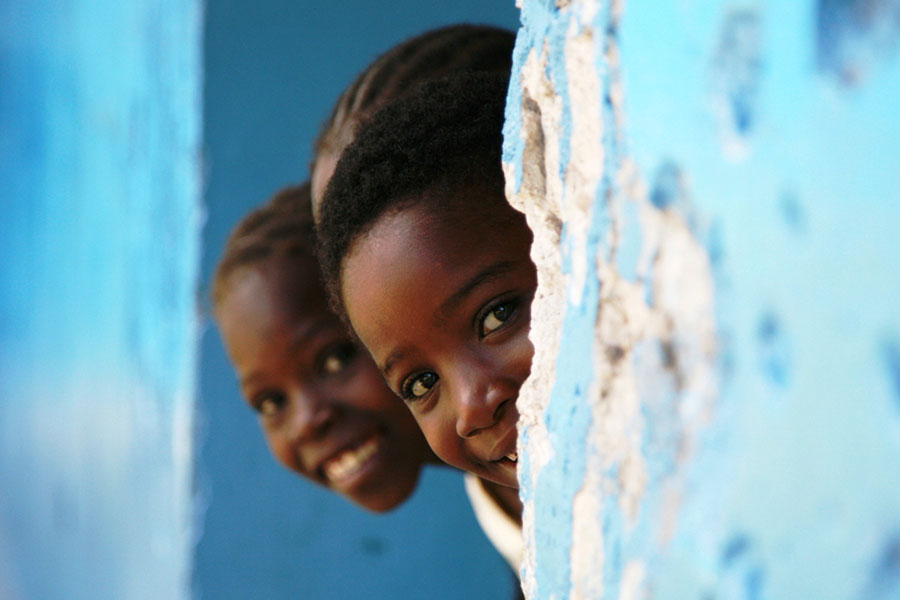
(491, 322)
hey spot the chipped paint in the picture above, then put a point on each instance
(583, 420)
(702, 413)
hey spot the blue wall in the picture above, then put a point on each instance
(272, 73)
(766, 134)
(784, 121)
(99, 254)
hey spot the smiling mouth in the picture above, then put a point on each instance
(511, 458)
(349, 462)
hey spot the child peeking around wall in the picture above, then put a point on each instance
(430, 265)
(322, 404)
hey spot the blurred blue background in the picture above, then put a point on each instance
(133, 136)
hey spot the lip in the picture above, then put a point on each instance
(335, 446)
(356, 465)
(506, 447)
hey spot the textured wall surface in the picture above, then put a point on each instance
(99, 255)
(714, 410)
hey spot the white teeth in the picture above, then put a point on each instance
(513, 457)
(349, 462)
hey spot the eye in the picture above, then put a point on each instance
(336, 359)
(268, 404)
(416, 387)
(496, 316)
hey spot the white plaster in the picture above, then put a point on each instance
(626, 384)
(587, 555)
(540, 200)
(585, 167)
(633, 577)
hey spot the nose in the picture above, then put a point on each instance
(484, 397)
(311, 415)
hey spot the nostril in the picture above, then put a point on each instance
(501, 409)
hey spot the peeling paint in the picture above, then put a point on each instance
(607, 213)
(718, 280)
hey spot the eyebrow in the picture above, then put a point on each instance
(308, 333)
(300, 337)
(393, 358)
(486, 275)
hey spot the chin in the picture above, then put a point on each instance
(380, 505)
(387, 500)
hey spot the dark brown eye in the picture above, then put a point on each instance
(419, 385)
(337, 358)
(496, 317)
(269, 404)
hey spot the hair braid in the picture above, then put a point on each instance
(283, 226)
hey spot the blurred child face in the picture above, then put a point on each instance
(322, 404)
(442, 302)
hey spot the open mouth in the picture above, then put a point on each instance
(347, 463)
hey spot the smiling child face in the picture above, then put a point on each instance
(442, 301)
(322, 404)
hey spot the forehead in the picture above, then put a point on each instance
(397, 276)
(267, 300)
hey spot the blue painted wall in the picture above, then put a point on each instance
(272, 73)
(99, 255)
(770, 131)
(784, 121)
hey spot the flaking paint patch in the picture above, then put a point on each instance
(585, 214)
(540, 199)
(585, 168)
(582, 179)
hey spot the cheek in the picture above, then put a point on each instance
(519, 355)
(281, 449)
(440, 433)
(367, 390)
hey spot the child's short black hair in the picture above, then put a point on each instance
(431, 55)
(444, 137)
